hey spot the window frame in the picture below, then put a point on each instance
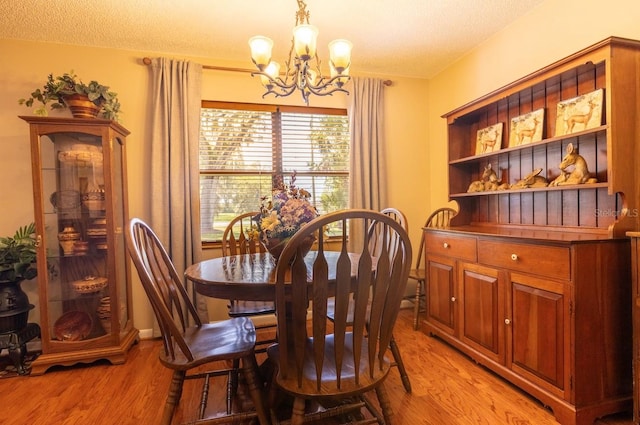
(277, 158)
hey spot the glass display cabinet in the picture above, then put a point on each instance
(80, 203)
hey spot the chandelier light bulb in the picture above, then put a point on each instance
(340, 55)
(261, 51)
(273, 71)
(304, 40)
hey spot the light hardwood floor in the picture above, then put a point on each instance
(448, 389)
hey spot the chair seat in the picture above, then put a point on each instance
(240, 308)
(348, 385)
(235, 338)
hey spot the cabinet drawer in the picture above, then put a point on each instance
(549, 261)
(451, 245)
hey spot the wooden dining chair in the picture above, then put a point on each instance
(334, 364)
(439, 219)
(378, 241)
(188, 343)
(236, 240)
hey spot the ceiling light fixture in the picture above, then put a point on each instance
(301, 73)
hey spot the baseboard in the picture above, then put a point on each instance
(145, 333)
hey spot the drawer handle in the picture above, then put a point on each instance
(514, 257)
(453, 299)
(445, 245)
(507, 321)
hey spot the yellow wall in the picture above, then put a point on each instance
(25, 66)
(414, 130)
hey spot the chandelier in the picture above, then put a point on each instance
(301, 72)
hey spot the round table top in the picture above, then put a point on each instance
(248, 277)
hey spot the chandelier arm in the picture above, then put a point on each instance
(321, 92)
(276, 81)
(283, 91)
(330, 82)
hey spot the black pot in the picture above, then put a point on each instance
(14, 307)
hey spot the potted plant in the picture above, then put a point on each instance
(17, 263)
(69, 91)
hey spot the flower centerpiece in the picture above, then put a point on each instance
(281, 217)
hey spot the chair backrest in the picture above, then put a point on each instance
(236, 238)
(163, 286)
(355, 276)
(438, 219)
(377, 232)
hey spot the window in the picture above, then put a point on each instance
(244, 146)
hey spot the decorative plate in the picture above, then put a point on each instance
(73, 326)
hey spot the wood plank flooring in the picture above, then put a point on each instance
(448, 389)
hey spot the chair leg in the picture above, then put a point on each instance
(297, 414)
(400, 364)
(173, 398)
(232, 383)
(256, 388)
(385, 404)
(416, 304)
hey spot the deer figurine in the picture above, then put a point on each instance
(489, 181)
(580, 173)
(485, 182)
(533, 179)
(574, 119)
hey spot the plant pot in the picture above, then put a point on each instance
(14, 307)
(81, 107)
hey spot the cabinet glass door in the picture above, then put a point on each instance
(119, 249)
(74, 204)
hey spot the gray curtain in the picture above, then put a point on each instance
(367, 182)
(174, 163)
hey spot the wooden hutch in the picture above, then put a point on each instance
(535, 282)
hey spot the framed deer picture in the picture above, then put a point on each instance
(526, 128)
(579, 113)
(489, 139)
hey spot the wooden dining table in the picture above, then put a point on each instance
(248, 277)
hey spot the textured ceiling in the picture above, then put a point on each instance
(413, 38)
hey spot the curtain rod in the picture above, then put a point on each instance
(147, 61)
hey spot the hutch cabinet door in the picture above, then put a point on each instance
(482, 310)
(539, 321)
(440, 293)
